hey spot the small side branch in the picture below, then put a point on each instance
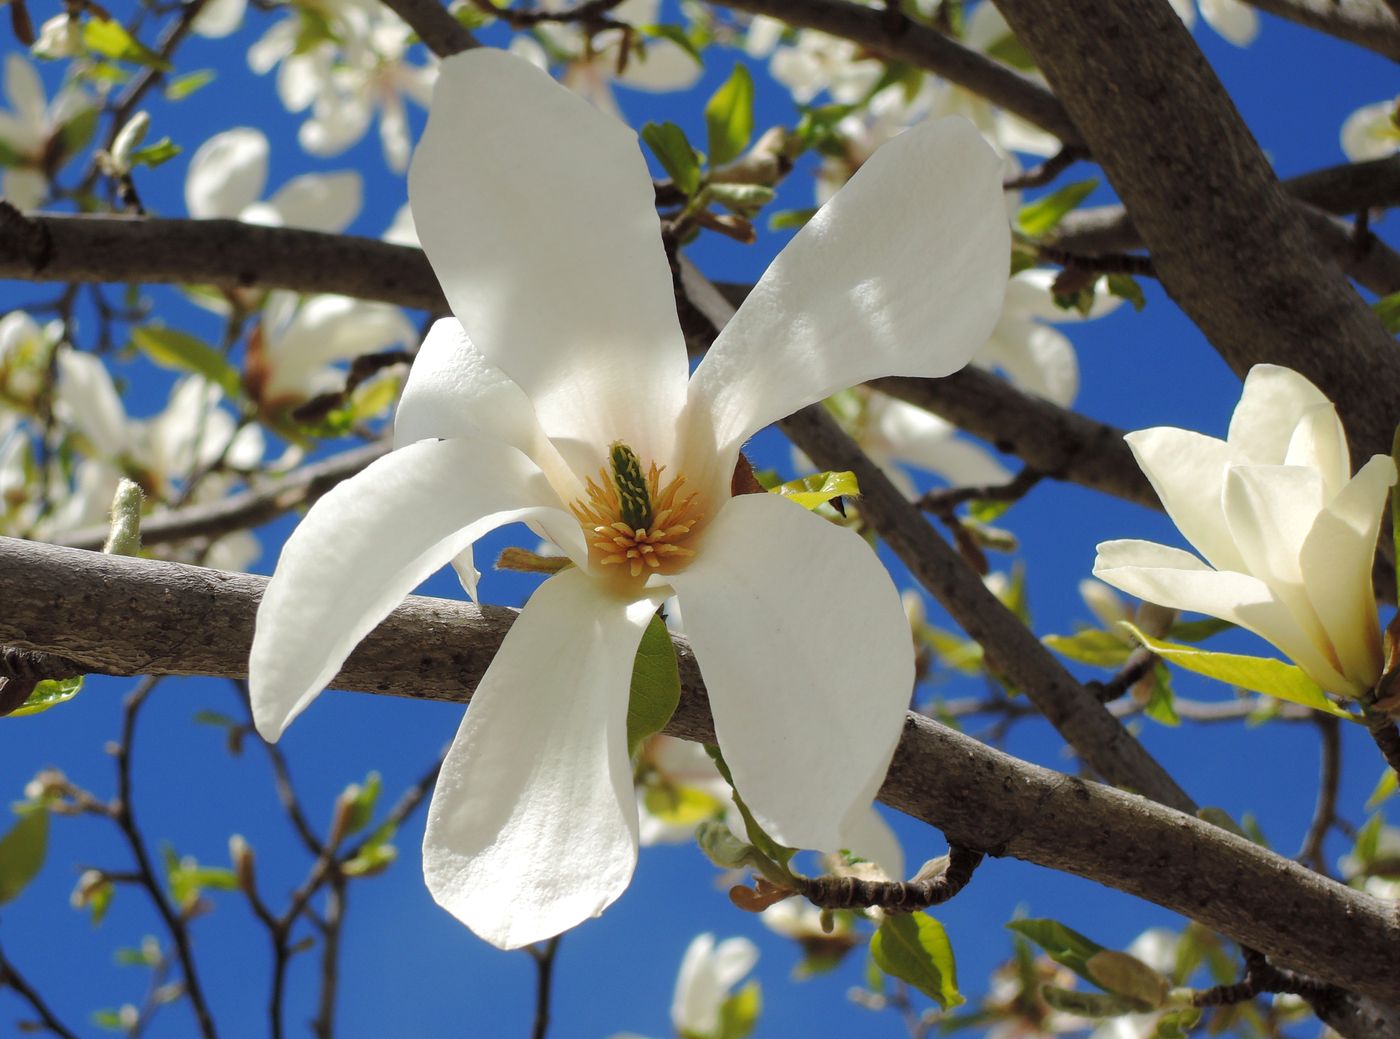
(11, 978)
(543, 955)
(1260, 977)
(832, 892)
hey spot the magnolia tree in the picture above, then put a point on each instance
(763, 525)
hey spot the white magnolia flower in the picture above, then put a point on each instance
(219, 18)
(1033, 356)
(27, 129)
(1372, 131)
(591, 66)
(708, 973)
(229, 171)
(25, 349)
(358, 68)
(291, 361)
(1384, 881)
(1236, 21)
(1288, 534)
(680, 766)
(570, 408)
(895, 434)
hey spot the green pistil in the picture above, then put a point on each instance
(631, 486)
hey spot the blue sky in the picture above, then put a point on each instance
(409, 969)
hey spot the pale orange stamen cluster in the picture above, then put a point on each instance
(615, 543)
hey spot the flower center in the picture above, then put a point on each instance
(633, 520)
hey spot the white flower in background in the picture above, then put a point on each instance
(291, 360)
(219, 18)
(1033, 356)
(401, 230)
(358, 68)
(895, 434)
(814, 63)
(570, 408)
(25, 347)
(1236, 21)
(60, 37)
(591, 67)
(1372, 131)
(682, 771)
(1288, 534)
(1380, 873)
(227, 175)
(708, 973)
(28, 128)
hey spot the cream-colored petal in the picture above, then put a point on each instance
(1187, 470)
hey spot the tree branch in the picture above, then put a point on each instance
(1366, 23)
(926, 48)
(442, 33)
(1245, 266)
(126, 616)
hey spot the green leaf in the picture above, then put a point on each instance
(182, 87)
(1257, 674)
(1091, 646)
(1010, 50)
(362, 798)
(914, 948)
(313, 29)
(1161, 705)
(1388, 310)
(22, 851)
(983, 511)
(1199, 630)
(656, 685)
(1385, 789)
(1086, 1004)
(1125, 286)
(1066, 947)
(1368, 840)
(154, 154)
(757, 836)
(678, 36)
(75, 134)
(668, 143)
(215, 718)
(9, 157)
(171, 348)
(1128, 977)
(1045, 213)
(49, 693)
(729, 117)
(680, 805)
(791, 219)
(819, 488)
(739, 1013)
(743, 199)
(111, 40)
(374, 858)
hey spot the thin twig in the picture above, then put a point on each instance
(837, 892)
(11, 978)
(1138, 664)
(543, 955)
(323, 1026)
(1038, 176)
(942, 501)
(1098, 263)
(1261, 976)
(124, 816)
(1329, 779)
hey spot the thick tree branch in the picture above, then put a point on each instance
(1366, 23)
(129, 616)
(1228, 243)
(899, 39)
(442, 33)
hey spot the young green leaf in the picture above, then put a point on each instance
(1125, 286)
(1388, 310)
(362, 798)
(819, 488)
(729, 117)
(914, 948)
(1044, 214)
(668, 143)
(1128, 977)
(738, 1015)
(1257, 674)
(181, 87)
(656, 685)
(22, 851)
(790, 219)
(1091, 646)
(1086, 1004)
(154, 155)
(171, 348)
(49, 693)
(1063, 945)
(109, 39)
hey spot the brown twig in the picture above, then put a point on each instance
(1329, 779)
(1260, 976)
(1098, 263)
(1134, 669)
(1039, 176)
(439, 31)
(943, 501)
(543, 954)
(838, 892)
(1372, 24)
(11, 978)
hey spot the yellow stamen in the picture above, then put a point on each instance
(604, 515)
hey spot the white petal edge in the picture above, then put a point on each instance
(226, 174)
(1271, 405)
(902, 272)
(561, 283)
(319, 201)
(805, 649)
(533, 825)
(370, 541)
(1187, 470)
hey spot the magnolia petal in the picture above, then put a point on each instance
(1233, 20)
(1319, 443)
(560, 282)
(1271, 405)
(805, 650)
(393, 132)
(326, 329)
(1180, 581)
(454, 391)
(86, 392)
(1187, 470)
(925, 441)
(1186, 11)
(25, 189)
(708, 971)
(1336, 564)
(1269, 510)
(219, 18)
(319, 201)
(868, 836)
(1035, 358)
(369, 542)
(533, 825)
(1370, 132)
(227, 174)
(25, 92)
(666, 67)
(337, 121)
(1030, 293)
(902, 272)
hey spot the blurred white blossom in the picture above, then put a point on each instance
(29, 128)
(1372, 131)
